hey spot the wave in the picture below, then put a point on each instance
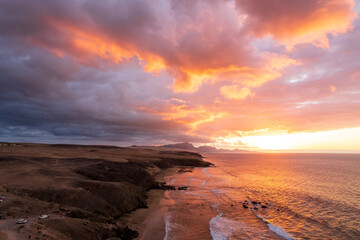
(280, 231)
(206, 172)
(222, 192)
(277, 229)
(204, 182)
(222, 228)
(194, 194)
(167, 226)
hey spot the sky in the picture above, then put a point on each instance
(256, 75)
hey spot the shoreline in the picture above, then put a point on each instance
(141, 220)
(106, 192)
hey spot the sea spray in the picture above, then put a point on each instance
(222, 228)
(276, 229)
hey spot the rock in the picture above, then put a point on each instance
(78, 214)
(184, 170)
(162, 185)
(245, 206)
(263, 206)
(126, 233)
(183, 188)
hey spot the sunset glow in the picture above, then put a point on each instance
(323, 140)
(253, 75)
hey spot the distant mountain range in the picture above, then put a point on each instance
(202, 149)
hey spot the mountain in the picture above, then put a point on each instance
(202, 149)
(183, 146)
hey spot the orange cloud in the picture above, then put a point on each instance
(189, 66)
(86, 45)
(180, 112)
(332, 88)
(201, 54)
(236, 92)
(203, 50)
(298, 21)
(97, 44)
(270, 67)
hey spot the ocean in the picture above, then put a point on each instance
(266, 196)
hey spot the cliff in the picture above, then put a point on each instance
(85, 189)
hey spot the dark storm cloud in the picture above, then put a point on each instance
(46, 97)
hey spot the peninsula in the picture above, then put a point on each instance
(80, 191)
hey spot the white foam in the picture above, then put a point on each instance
(169, 226)
(280, 231)
(206, 172)
(194, 194)
(218, 191)
(204, 182)
(215, 205)
(222, 228)
(277, 229)
(216, 228)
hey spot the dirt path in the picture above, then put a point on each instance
(8, 226)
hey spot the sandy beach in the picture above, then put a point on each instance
(89, 192)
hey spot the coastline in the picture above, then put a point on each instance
(143, 219)
(105, 192)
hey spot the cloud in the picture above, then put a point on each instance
(138, 71)
(332, 88)
(236, 92)
(298, 21)
(194, 47)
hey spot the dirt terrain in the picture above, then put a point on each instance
(85, 189)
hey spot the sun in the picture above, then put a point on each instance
(272, 142)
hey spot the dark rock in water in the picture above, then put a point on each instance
(254, 202)
(263, 206)
(185, 170)
(255, 208)
(183, 188)
(162, 185)
(232, 205)
(245, 206)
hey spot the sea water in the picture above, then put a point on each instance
(304, 196)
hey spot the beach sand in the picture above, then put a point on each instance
(149, 222)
